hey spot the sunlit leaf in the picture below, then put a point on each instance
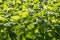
(2, 30)
(2, 18)
(36, 1)
(35, 6)
(41, 13)
(30, 26)
(5, 7)
(24, 14)
(54, 38)
(29, 35)
(0, 0)
(15, 18)
(36, 31)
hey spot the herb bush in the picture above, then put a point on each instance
(29, 19)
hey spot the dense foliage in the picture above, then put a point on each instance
(29, 19)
